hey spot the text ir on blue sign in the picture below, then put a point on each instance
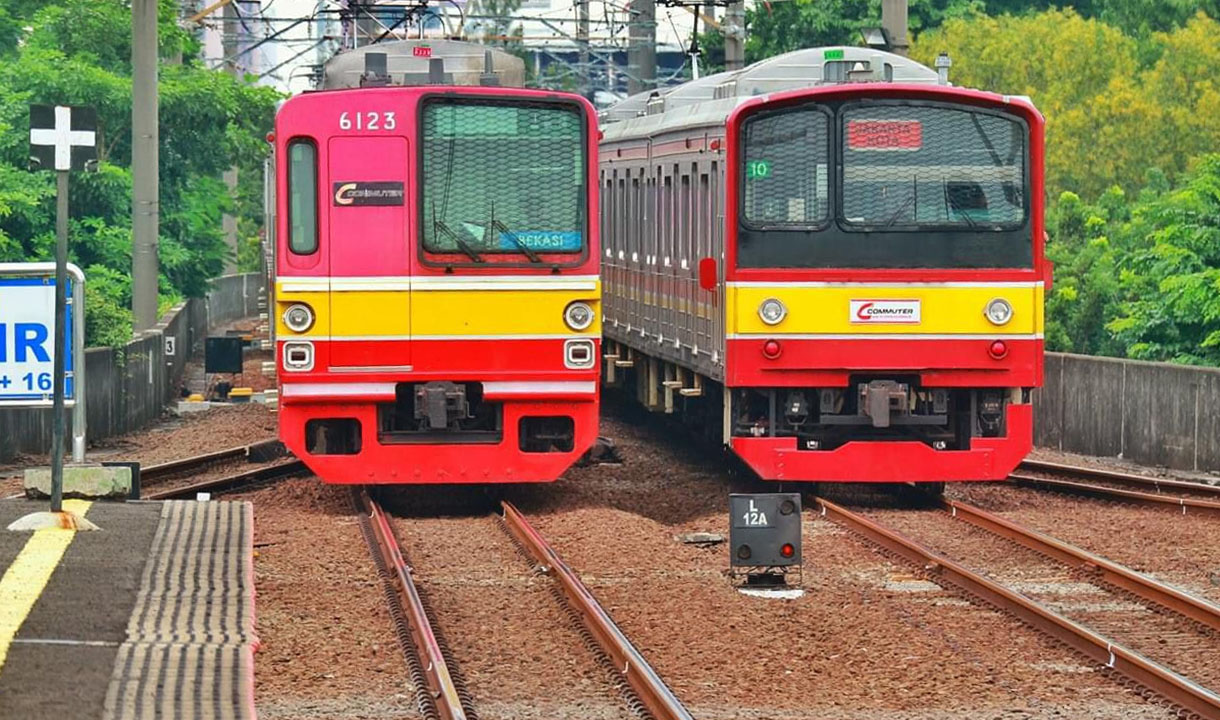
(27, 321)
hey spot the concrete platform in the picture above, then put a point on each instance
(150, 617)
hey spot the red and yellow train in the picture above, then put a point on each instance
(833, 262)
(436, 295)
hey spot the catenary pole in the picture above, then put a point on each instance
(642, 46)
(735, 36)
(894, 20)
(145, 210)
(582, 41)
(228, 221)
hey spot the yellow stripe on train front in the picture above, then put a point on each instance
(430, 312)
(498, 312)
(837, 309)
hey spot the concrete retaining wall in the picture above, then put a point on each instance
(1150, 413)
(128, 387)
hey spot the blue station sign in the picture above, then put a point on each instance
(27, 324)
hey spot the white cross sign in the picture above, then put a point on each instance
(62, 137)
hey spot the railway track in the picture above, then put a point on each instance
(229, 483)
(1180, 495)
(1154, 636)
(440, 689)
(262, 451)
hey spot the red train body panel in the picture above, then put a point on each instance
(443, 246)
(843, 281)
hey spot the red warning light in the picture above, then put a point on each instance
(998, 349)
(772, 349)
(787, 550)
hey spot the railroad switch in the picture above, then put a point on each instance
(765, 539)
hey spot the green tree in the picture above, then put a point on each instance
(780, 27)
(1109, 117)
(1171, 280)
(78, 52)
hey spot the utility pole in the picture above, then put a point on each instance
(228, 40)
(641, 46)
(145, 210)
(735, 36)
(894, 22)
(582, 41)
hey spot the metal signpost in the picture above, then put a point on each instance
(63, 138)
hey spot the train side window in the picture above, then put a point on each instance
(302, 197)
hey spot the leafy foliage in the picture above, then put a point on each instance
(778, 27)
(78, 52)
(1112, 112)
(1142, 278)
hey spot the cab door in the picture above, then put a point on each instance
(369, 284)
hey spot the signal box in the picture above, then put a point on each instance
(764, 533)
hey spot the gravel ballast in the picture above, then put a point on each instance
(1178, 549)
(328, 645)
(516, 648)
(869, 639)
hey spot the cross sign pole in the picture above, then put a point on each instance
(63, 138)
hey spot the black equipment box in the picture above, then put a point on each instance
(765, 530)
(222, 355)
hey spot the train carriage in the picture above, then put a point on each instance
(437, 298)
(831, 261)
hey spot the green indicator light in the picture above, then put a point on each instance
(758, 169)
(833, 54)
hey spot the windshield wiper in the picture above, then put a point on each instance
(494, 225)
(439, 226)
(906, 203)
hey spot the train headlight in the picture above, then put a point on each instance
(298, 317)
(772, 311)
(998, 311)
(578, 316)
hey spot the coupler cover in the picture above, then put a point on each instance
(765, 530)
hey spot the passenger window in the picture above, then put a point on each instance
(302, 197)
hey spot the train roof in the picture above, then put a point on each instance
(423, 62)
(710, 99)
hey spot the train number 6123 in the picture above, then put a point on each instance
(367, 121)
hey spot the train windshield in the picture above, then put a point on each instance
(884, 184)
(931, 167)
(501, 177)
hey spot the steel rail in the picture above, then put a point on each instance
(1178, 690)
(436, 671)
(1107, 571)
(1109, 493)
(1119, 477)
(647, 684)
(231, 482)
(190, 464)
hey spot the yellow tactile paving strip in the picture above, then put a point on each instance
(27, 577)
